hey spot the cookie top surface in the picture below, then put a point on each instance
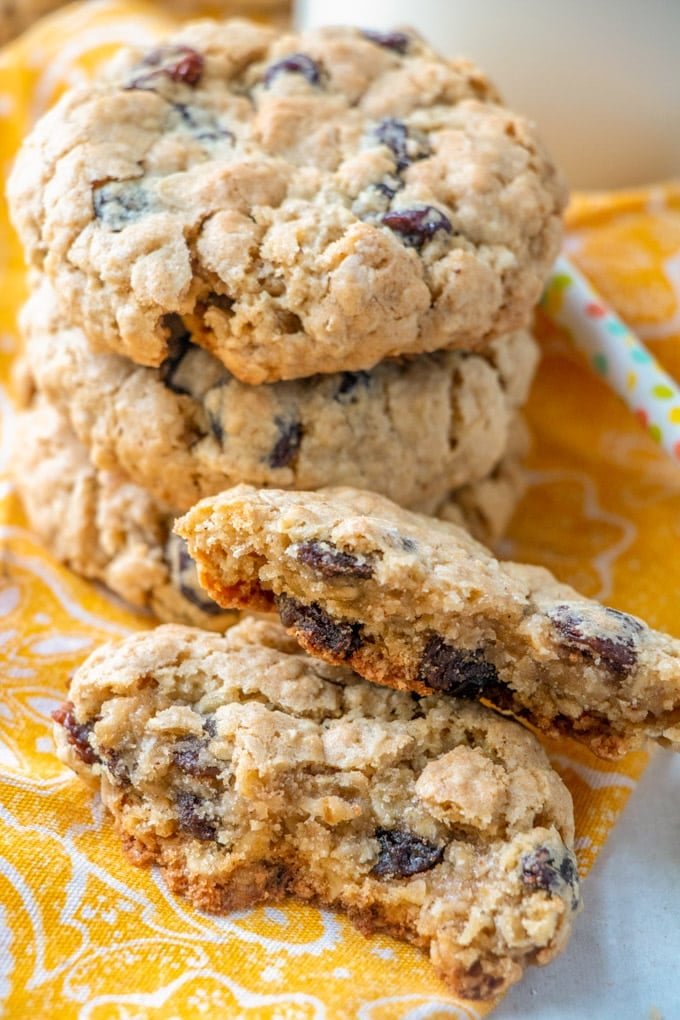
(302, 204)
(417, 603)
(248, 770)
(413, 430)
(103, 526)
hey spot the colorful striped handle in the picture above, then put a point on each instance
(615, 353)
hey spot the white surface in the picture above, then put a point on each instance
(600, 77)
(623, 961)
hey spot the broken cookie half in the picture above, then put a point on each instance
(418, 604)
(248, 771)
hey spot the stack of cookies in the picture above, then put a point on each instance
(287, 261)
(299, 262)
(248, 770)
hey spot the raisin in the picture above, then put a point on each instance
(296, 63)
(285, 448)
(462, 672)
(179, 342)
(616, 651)
(405, 148)
(178, 63)
(329, 561)
(184, 577)
(116, 766)
(78, 734)
(190, 818)
(340, 638)
(397, 41)
(389, 186)
(216, 427)
(394, 134)
(416, 226)
(202, 124)
(568, 870)
(539, 870)
(120, 203)
(190, 755)
(403, 854)
(348, 385)
(374, 201)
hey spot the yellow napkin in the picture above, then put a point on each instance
(82, 932)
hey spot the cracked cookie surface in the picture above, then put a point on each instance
(302, 204)
(417, 603)
(412, 430)
(249, 771)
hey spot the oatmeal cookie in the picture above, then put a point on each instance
(104, 527)
(412, 430)
(485, 508)
(416, 603)
(249, 771)
(298, 204)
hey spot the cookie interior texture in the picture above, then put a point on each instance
(413, 602)
(249, 771)
(298, 203)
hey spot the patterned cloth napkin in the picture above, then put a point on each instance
(82, 932)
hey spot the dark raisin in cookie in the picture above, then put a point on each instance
(301, 203)
(249, 771)
(427, 608)
(412, 430)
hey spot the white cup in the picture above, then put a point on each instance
(600, 77)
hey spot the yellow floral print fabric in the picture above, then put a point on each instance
(83, 934)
